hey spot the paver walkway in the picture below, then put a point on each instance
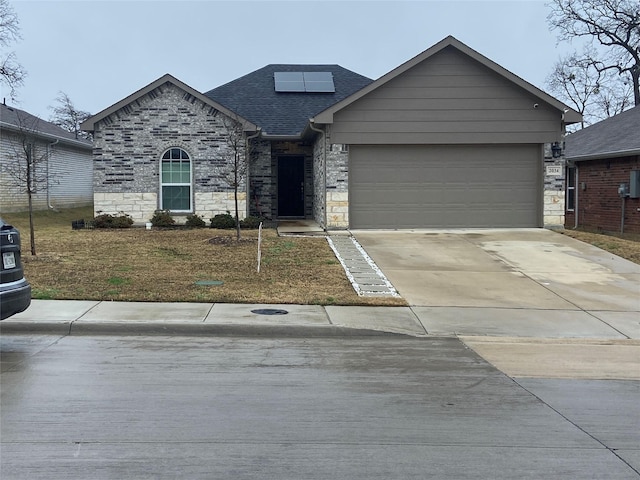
(367, 279)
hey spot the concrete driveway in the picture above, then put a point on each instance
(478, 282)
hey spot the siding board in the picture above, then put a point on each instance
(450, 98)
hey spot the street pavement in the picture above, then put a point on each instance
(375, 407)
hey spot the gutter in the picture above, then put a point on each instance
(57, 138)
(284, 138)
(603, 155)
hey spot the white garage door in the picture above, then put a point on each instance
(464, 186)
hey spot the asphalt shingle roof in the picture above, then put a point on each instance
(253, 96)
(615, 136)
(20, 119)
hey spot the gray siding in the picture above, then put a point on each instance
(448, 98)
(69, 172)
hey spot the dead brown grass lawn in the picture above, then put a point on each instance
(624, 245)
(164, 265)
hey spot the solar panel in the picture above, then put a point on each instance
(310, 82)
(289, 81)
(318, 82)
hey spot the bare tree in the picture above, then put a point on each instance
(24, 167)
(613, 23)
(68, 117)
(234, 161)
(596, 94)
(11, 72)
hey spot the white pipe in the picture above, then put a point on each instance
(49, 153)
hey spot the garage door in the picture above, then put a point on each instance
(462, 186)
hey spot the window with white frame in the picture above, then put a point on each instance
(175, 181)
(571, 189)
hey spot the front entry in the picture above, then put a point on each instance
(291, 186)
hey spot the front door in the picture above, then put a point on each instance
(291, 186)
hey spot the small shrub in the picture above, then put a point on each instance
(195, 221)
(223, 220)
(162, 218)
(106, 220)
(251, 222)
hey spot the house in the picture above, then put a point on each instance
(448, 139)
(603, 179)
(63, 163)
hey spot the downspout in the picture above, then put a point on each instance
(324, 163)
(49, 153)
(248, 153)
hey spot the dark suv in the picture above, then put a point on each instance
(15, 291)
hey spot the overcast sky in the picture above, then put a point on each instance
(99, 52)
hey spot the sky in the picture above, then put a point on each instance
(99, 52)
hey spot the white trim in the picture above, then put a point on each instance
(190, 184)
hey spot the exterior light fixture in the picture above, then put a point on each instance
(556, 150)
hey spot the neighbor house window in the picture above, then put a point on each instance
(571, 188)
(175, 178)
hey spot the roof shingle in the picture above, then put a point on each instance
(615, 136)
(19, 119)
(283, 113)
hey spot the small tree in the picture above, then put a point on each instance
(11, 72)
(614, 24)
(68, 117)
(24, 168)
(234, 156)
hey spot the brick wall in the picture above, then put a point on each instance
(129, 143)
(599, 207)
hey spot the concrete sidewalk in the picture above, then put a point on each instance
(78, 317)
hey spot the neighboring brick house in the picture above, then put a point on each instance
(447, 139)
(64, 167)
(602, 158)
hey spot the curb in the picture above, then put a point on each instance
(189, 329)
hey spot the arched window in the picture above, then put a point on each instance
(175, 181)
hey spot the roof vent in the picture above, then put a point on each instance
(308, 82)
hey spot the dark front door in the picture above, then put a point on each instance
(291, 186)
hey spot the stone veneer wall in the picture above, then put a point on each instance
(319, 181)
(129, 143)
(554, 189)
(335, 179)
(261, 181)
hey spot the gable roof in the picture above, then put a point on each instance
(570, 115)
(284, 113)
(17, 120)
(89, 124)
(617, 136)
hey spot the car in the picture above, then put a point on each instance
(15, 291)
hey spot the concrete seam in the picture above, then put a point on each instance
(612, 450)
(72, 322)
(418, 320)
